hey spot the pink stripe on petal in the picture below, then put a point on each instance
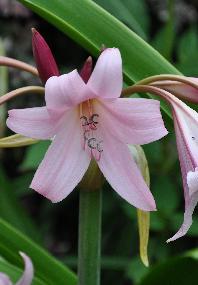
(35, 123)
(66, 91)
(133, 121)
(120, 170)
(65, 162)
(28, 273)
(106, 78)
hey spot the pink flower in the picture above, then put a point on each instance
(89, 121)
(26, 278)
(186, 129)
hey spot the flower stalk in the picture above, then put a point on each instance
(164, 77)
(21, 91)
(11, 62)
(89, 245)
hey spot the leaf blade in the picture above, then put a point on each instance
(91, 26)
(48, 269)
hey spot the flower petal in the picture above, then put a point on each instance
(106, 78)
(186, 126)
(133, 121)
(35, 123)
(123, 174)
(64, 163)
(66, 91)
(190, 179)
(4, 279)
(28, 273)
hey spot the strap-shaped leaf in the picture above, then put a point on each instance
(91, 26)
(47, 268)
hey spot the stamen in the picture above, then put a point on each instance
(89, 124)
(89, 108)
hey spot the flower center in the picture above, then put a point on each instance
(90, 122)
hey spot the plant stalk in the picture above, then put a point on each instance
(89, 245)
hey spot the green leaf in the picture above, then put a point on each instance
(47, 268)
(12, 211)
(165, 194)
(188, 44)
(187, 52)
(177, 270)
(129, 12)
(34, 155)
(15, 273)
(91, 26)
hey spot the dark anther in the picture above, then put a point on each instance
(91, 119)
(85, 121)
(92, 143)
(99, 148)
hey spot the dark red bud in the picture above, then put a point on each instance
(45, 61)
(86, 70)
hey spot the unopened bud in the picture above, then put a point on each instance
(86, 70)
(45, 61)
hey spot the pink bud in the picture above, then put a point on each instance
(86, 70)
(45, 61)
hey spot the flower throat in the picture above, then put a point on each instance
(89, 123)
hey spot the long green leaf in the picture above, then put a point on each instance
(91, 26)
(47, 268)
(125, 12)
(13, 212)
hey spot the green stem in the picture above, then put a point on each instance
(89, 243)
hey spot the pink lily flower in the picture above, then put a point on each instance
(87, 120)
(186, 129)
(26, 278)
